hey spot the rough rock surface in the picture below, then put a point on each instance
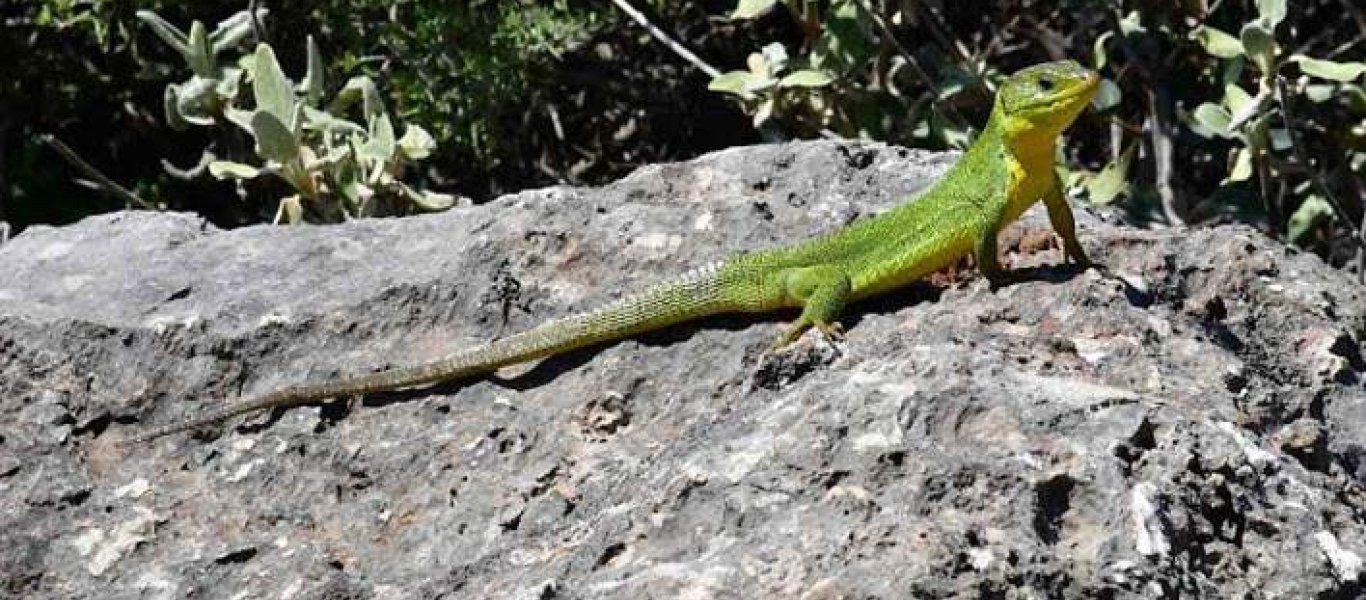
(1192, 424)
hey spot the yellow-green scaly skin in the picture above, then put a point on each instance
(1007, 170)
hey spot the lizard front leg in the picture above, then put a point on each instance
(822, 290)
(986, 248)
(1060, 215)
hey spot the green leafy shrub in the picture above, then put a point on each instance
(337, 168)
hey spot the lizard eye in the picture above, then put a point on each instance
(1045, 84)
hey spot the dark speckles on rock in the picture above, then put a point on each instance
(237, 555)
(858, 156)
(762, 209)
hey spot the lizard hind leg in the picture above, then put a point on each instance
(823, 291)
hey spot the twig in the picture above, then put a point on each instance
(4, 233)
(257, 30)
(1164, 151)
(84, 167)
(664, 38)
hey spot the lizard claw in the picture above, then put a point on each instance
(833, 332)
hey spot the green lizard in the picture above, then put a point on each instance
(1008, 169)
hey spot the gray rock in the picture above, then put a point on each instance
(1191, 424)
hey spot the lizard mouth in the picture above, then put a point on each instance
(1074, 98)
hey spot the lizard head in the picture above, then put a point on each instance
(1042, 100)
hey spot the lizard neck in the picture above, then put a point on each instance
(1028, 151)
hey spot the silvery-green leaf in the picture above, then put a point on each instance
(359, 88)
(438, 201)
(1235, 98)
(1271, 11)
(274, 93)
(296, 121)
(194, 98)
(171, 102)
(239, 117)
(775, 57)
(324, 121)
(1217, 43)
(1098, 55)
(429, 201)
(764, 112)
(1319, 93)
(734, 82)
(382, 143)
(200, 54)
(1356, 97)
(1249, 109)
(1280, 139)
(378, 172)
(1108, 96)
(1311, 213)
(167, 32)
(1213, 119)
(1260, 46)
(416, 143)
(1132, 24)
(273, 139)
(1242, 165)
(232, 30)
(355, 192)
(226, 169)
(229, 83)
(312, 85)
(810, 78)
(1112, 181)
(1331, 70)
(748, 9)
(291, 211)
(348, 95)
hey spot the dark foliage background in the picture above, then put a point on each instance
(524, 93)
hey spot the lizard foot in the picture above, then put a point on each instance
(784, 364)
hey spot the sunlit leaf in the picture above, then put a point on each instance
(1271, 11)
(1314, 211)
(291, 211)
(274, 141)
(312, 85)
(1260, 46)
(1217, 43)
(1112, 181)
(748, 9)
(1327, 69)
(1241, 168)
(232, 30)
(1099, 57)
(1108, 96)
(166, 31)
(416, 143)
(806, 78)
(1319, 92)
(226, 169)
(1213, 119)
(274, 94)
(775, 58)
(200, 55)
(1236, 98)
(763, 113)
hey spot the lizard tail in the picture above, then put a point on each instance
(696, 294)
